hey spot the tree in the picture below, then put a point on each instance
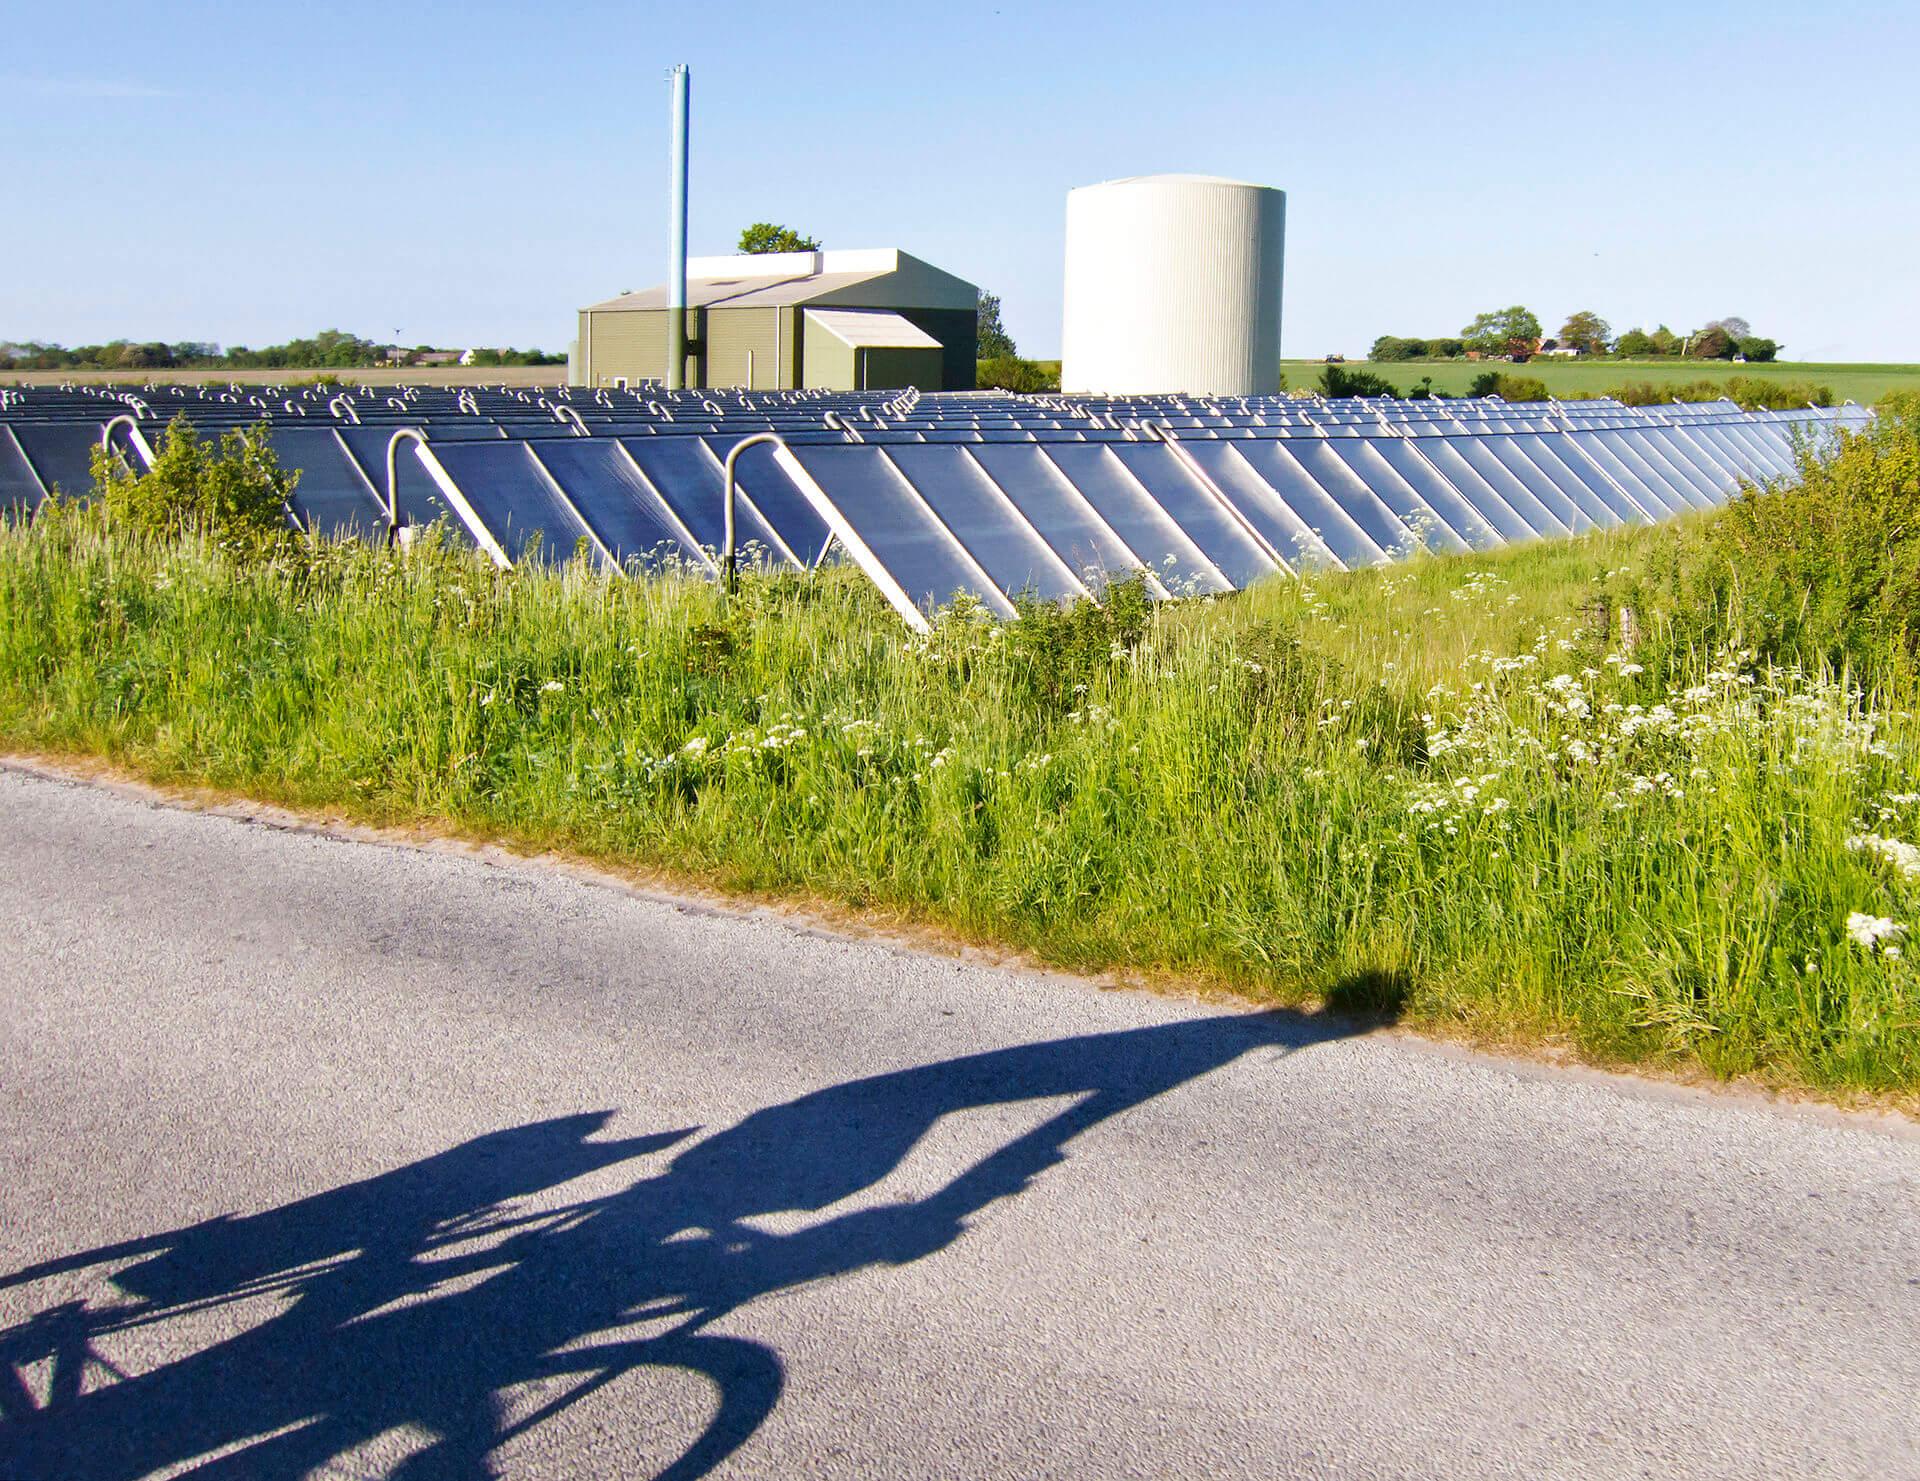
(1711, 343)
(1011, 373)
(1390, 347)
(1737, 328)
(1511, 331)
(1635, 343)
(1587, 332)
(1665, 341)
(1754, 348)
(994, 341)
(764, 236)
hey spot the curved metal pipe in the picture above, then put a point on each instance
(729, 570)
(334, 408)
(566, 414)
(403, 434)
(840, 424)
(106, 437)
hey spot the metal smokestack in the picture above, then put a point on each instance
(677, 239)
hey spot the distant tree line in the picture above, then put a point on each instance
(1516, 334)
(331, 349)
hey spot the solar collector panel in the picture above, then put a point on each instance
(514, 499)
(983, 519)
(890, 531)
(1199, 509)
(1296, 516)
(609, 492)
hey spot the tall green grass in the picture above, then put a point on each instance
(1443, 790)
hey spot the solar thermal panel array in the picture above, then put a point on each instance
(936, 496)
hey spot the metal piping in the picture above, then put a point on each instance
(729, 569)
(677, 236)
(404, 434)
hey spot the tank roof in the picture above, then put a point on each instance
(1178, 179)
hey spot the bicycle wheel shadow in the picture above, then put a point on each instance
(419, 1296)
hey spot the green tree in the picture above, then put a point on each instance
(764, 236)
(1011, 373)
(1635, 343)
(994, 341)
(1665, 341)
(1711, 343)
(1587, 332)
(1510, 331)
(1390, 348)
(1755, 348)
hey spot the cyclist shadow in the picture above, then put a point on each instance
(419, 1296)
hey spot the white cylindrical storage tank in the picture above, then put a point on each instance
(1173, 286)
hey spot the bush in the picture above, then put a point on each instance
(1390, 348)
(1824, 569)
(1754, 393)
(234, 490)
(1011, 373)
(1510, 387)
(1337, 381)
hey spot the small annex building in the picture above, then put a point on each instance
(856, 320)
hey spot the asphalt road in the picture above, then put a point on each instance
(355, 1159)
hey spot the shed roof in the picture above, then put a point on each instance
(878, 277)
(872, 329)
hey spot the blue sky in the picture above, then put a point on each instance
(473, 173)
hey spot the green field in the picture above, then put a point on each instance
(1570, 379)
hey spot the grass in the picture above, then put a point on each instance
(1570, 379)
(1441, 790)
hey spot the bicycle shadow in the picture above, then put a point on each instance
(418, 1296)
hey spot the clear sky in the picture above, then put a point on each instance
(473, 173)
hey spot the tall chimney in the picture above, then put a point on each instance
(677, 239)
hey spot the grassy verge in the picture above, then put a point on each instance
(1443, 790)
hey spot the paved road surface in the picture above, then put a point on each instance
(330, 1157)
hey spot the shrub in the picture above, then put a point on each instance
(1390, 347)
(1510, 387)
(1055, 652)
(1824, 569)
(234, 490)
(1011, 373)
(1337, 381)
(1754, 393)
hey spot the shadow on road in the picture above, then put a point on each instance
(419, 1296)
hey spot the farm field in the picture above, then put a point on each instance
(1570, 379)
(434, 375)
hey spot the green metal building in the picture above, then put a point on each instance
(876, 319)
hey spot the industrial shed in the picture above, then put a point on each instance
(873, 319)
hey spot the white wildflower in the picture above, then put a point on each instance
(1874, 932)
(1904, 857)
